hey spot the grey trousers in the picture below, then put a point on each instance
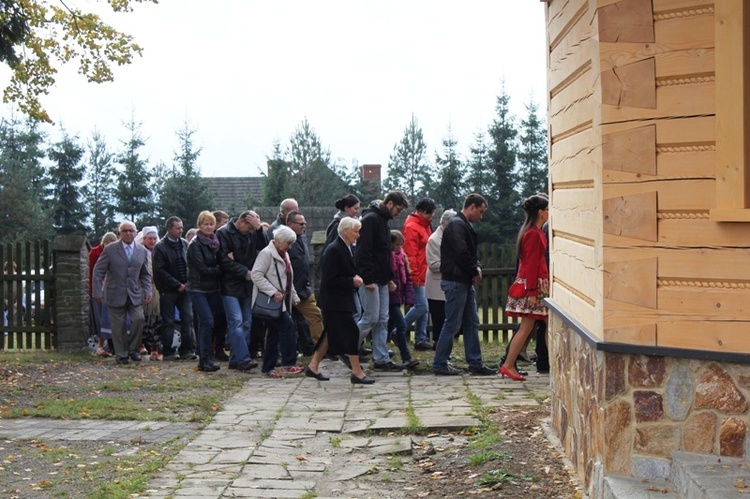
(126, 343)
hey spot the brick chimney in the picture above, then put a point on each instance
(371, 188)
(371, 174)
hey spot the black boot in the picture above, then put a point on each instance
(207, 365)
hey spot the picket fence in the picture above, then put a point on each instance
(27, 291)
(27, 288)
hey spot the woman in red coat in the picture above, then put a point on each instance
(417, 231)
(533, 274)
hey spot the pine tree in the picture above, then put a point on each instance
(503, 212)
(408, 170)
(480, 180)
(532, 156)
(278, 177)
(133, 193)
(22, 214)
(185, 193)
(98, 194)
(449, 189)
(305, 148)
(313, 181)
(64, 178)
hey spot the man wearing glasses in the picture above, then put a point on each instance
(300, 257)
(124, 268)
(373, 258)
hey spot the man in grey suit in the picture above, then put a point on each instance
(124, 268)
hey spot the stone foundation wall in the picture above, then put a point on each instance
(624, 414)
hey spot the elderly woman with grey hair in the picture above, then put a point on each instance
(433, 293)
(272, 276)
(149, 236)
(338, 288)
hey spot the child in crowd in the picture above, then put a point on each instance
(401, 293)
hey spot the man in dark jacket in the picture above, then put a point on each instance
(285, 208)
(300, 258)
(460, 269)
(240, 241)
(373, 259)
(170, 279)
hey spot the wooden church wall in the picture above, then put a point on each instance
(575, 164)
(636, 257)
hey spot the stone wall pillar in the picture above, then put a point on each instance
(625, 414)
(70, 257)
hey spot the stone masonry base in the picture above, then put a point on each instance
(625, 414)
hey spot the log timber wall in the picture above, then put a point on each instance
(651, 283)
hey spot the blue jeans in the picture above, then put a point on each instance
(168, 301)
(281, 337)
(460, 310)
(397, 320)
(205, 305)
(374, 319)
(418, 313)
(239, 312)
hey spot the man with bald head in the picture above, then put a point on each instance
(287, 206)
(122, 279)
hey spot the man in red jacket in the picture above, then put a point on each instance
(417, 231)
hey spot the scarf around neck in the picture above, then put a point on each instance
(212, 241)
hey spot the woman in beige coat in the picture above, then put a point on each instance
(272, 276)
(433, 293)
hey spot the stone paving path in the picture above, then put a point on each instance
(283, 438)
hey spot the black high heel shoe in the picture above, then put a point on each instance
(365, 380)
(319, 376)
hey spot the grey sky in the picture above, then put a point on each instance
(245, 73)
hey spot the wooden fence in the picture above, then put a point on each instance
(498, 272)
(28, 287)
(27, 293)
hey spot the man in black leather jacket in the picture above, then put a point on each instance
(240, 241)
(460, 269)
(170, 279)
(373, 257)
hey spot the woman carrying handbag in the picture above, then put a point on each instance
(272, 276)
(531, 285)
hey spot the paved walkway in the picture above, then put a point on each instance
(283, 438)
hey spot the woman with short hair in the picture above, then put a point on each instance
(338, 288)
(203, 282)
(417, 231)
(435, 296)
(148, 237)
(272, 275)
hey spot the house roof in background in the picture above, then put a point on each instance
(231, 193)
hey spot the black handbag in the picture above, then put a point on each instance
(265, 307)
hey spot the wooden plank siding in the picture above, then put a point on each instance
(572, 160)
(699, 295)
(633, 161)
(575, 160)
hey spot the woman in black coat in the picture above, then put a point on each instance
(338, 286)
(203, 277)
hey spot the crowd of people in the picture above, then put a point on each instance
(246, 286)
